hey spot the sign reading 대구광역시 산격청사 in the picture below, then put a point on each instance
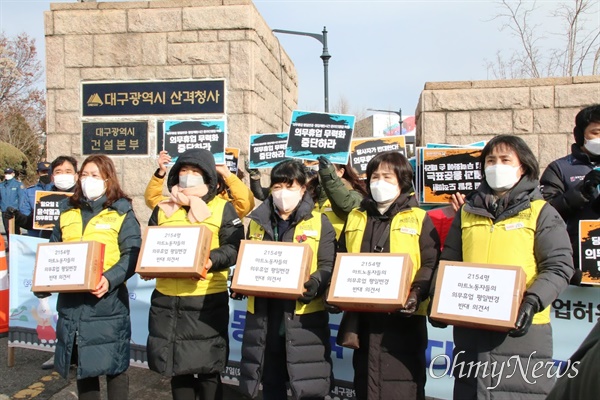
(153, 98)
(267, 149)
(115, 138)
(210, 135)
(315, 134)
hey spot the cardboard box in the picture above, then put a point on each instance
(483, 296)
(174, 252)
(272, 269)
(68, 267)
(372, 282)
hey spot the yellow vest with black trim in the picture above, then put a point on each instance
(405, 231)
(215, 282)
(103, 228)
(337, 222)
(508, 242)
(312, 229)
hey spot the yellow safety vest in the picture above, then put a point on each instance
(405, 231)
(103, 228)
(312, 229)
(337, 222)
(508, 242)
(215, 282)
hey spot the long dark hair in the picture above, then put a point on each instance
(107, 171)
(528, 161)
(352, 178)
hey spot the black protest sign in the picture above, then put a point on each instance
(232, 157)
(589, 251)
(450, 170)
(180, 136)
(267, 150)
(47, 208)
(364, 149)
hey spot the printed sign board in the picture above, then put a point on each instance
(115, 138)
(267, 150)
(47, 208)
(180, 136)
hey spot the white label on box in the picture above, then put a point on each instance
(170, 247)
(369, 277)
(477, 292)
(61, 265)
(270, 265)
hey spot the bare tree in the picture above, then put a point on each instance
(577, 54)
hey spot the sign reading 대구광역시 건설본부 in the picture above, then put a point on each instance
(589, 251)
(315, 134)
(267, 150)
(115, 138)
(364, 149)
(47, 208)
(180, 136)
(153, 98)
(232, 157)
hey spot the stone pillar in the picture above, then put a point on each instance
(163, 40)
(541, 111)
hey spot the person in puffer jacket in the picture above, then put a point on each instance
(189, 319)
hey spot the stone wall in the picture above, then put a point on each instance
(541, 111)
(162, 40)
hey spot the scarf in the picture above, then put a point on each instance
(191, 197)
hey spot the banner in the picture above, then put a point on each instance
(32, 324)
(180, 136)
(267, 149)
(318, 134)
(363, 150)
(589, 251)
(46, 208)
(232, 157)
(115, 138)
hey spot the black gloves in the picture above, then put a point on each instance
(412, 302)
(253, 172)
(311, 286)
(20, 218)
(529, 306)
(434, 323)
(11, 212)
(324, 163)
(42, 295)
(590, 184)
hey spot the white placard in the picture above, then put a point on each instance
(63, 264)
(266, 264)
(170, 247)
(477, 292)
(369, 277)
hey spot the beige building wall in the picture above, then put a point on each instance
(541, 111)
(163, 40)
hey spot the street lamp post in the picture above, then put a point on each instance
(325, 56)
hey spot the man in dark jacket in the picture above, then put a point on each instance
(11, 193)
(570, 183)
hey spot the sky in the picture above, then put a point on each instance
(382, 52)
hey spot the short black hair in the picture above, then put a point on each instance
(60, 160)
(400, 166)
(528, 161)
(583, 119)
(287, 172)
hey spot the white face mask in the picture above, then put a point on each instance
(93, 188)
(190, 180)
(286, 200)
(64, 181)
(383, 191)
(8, 177)
(502, 177)
(593, 146)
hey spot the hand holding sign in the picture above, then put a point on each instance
(164, 159)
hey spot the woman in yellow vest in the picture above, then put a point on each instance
(189, 319)
(286, 340)
(390, 362)
(506, 221)
(94, 329)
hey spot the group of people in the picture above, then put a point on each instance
(286, 343)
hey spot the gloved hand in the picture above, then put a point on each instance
(324, 163)
(434, 323)
(529, 306)
(253, 172)
(590, 184)
(236, 296)
(412, 302)
(311, 286)
(42, 295)
(330, 308)
(11, 212)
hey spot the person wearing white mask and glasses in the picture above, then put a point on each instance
(286, 340)
(506, 221)
(570, 183)
(390, 360)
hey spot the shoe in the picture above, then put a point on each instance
(48, 364)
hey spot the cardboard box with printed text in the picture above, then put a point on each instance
(483, 296)
(68, 267)
(272, 269)
(174, 252)
(371, 282)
